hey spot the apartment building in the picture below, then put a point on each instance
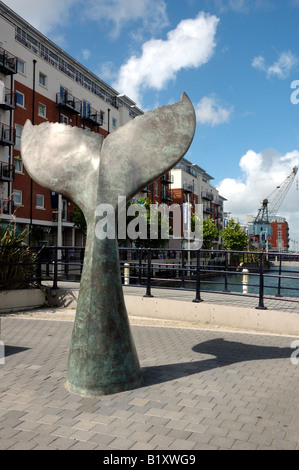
(191, 184)
(41, 82)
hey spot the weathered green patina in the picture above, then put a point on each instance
(91, 171)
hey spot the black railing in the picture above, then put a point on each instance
(8, 62)
(66, 101)
(7, 134)
(249, 274)
(7, 99)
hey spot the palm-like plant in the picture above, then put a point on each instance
(18, 261)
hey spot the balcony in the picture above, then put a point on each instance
(68, 102)
(8, 62)
(6, 207)
(146, 190)
(167, 178)
(207, 209)
(166, 196)
(188, 188)
(66, 216)
(207, 195)
(7, 172)
(92, 116)
(7, 99)
(7, 134)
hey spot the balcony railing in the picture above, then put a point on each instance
(7, 99)
(8, 62)
(68, 102)
(66, 216)
(92, 116)
(166, 196)
(146, 190)
(7, 172)
(207, 195)
(207, 209)
(188, 188)
(7, 134)
(6, 207)
(167, 178)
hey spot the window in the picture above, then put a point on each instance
(156, 189)
(86, 109)
(63, 119)
(19, 130)
(21, 66)
(20, 99)
(42, 110)
(114, 122)
(17, 197)
(42, 79)
(40, 201)
(18, 165)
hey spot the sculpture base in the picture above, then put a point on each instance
(102, 391)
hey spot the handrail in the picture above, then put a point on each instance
(207, 271)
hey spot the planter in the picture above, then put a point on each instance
(23, 299)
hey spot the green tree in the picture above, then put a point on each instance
(150, 242)
(233, 237)
(79, 219)
(210, 233)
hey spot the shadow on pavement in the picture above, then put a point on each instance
(224, 353)
(11, 350)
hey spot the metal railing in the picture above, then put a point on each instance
(238, 273)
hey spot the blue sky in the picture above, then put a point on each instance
(236, 59)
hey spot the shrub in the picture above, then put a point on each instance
(18, 265)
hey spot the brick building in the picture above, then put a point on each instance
(41, 82)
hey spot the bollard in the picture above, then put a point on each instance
(127, 274)
(245, 281)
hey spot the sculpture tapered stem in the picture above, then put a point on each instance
(102, 357)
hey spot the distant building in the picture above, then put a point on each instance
(273, 236)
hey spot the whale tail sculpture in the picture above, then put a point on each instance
(91, 171)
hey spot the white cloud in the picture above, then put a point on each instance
(261, 174)
(44, 15)
(86, 54)
(243, 6)
(190, 45)
(280, 69)
(210, 112)
(151, 13)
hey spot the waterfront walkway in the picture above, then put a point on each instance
(203, 388)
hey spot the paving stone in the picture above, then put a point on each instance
(203, 390)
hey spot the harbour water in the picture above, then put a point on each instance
(289, 282)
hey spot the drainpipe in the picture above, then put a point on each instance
(33, 121)
(108, 121)
(10, 147)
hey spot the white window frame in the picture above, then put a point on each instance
(42, 78)
(21, 169)
(19, 193)
(64, 119)
(24, 64)
(40, 206)
(43, 107)
(18, 136)
(21, 94)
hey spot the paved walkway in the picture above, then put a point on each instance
(202, 389)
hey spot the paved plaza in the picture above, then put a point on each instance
(202, 389)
